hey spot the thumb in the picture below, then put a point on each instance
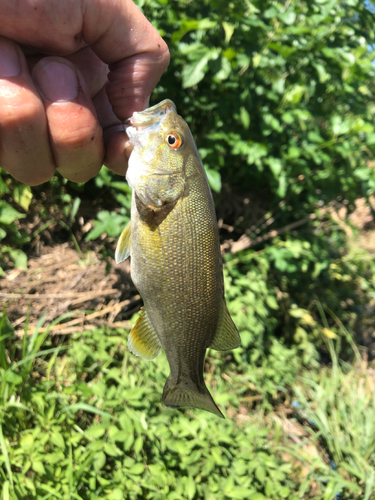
(137, 56)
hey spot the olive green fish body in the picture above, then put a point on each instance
(175, 260)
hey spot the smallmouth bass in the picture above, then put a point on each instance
(176, 263)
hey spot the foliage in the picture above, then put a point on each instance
(8, 217)
(83, 419)
(341, 411)
(109, 223)
(278, 94)
(268, 309)
(84, 424)
(280, 98)
(64, 204)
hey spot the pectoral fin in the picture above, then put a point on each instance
(123, 245)
(143, 340)
(226, 337)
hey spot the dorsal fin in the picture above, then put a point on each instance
(143, 340)
(123, 244)
(226, 336)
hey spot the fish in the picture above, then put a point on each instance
(176, 265)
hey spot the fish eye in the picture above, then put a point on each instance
(174, 140)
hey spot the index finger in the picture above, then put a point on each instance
(116, 30)
(137, 56)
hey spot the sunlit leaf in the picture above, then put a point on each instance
(8, 214)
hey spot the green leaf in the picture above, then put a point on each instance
(245, 117)
(57, 439)
(225, 69)
(74, 210)
(239, 493)
(95, 431)
(27, 441)
(287, 17)
(138, 445)
(228, 30)
(120, 436)
(272, 302)
(257, 496)
(281, 190)
(53, 458)
(260, 474)
(6, 489)
(12, 378)
(89, 408)
(8, 214)
(99, 460)
(4, 445)
(193, 25)
(38, 467)
(339, 126)
(19, 258)
(136, 469)
(190, 488)
(23, 195)
(294, 94)
(214, 179)
(112, 450)
(109, 223)
(275, 165)
(194, 72)
(116, 494)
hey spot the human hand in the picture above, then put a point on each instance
(57, 112)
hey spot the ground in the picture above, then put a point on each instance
(95, 292)
(58, 282)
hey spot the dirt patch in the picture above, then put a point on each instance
(360, 218)
(88, 292)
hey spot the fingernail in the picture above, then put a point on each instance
(9, 60)
(57, 81)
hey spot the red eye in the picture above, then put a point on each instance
(174, 140)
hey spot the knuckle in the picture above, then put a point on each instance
(163, 54)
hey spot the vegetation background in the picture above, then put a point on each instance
(280, 96)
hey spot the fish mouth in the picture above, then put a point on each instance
(151, 115)
(143, 123)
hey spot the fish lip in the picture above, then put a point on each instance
(154, 114)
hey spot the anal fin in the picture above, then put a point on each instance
(143, 340)
(123, 244)
(227, 336)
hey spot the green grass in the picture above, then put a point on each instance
(340, 407)
(81, 418)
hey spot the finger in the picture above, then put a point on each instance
(93, 69)
(116, 30)
(137, 57)
(75, 134)
(117, 152)
(115, 139)
(24, 148)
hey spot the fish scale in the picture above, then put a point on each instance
(175, 256)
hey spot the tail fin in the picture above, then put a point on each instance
(189, 396)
